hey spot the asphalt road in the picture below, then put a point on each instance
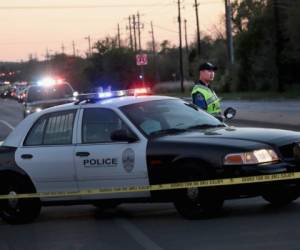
(245, 223)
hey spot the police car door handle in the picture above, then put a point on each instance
(27, 156)
(82, 154)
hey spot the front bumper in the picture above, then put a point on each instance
(256, 189)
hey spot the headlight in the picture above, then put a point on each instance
(38, 109)
(250, 158)
(28, 111)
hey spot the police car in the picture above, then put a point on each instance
(131, 139)
(47, 93)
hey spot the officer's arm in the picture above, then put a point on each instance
(199, 100)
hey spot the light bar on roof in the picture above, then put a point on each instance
(105, 94)
(48, 81)
(112, 94)
(141, 91)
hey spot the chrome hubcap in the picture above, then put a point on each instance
(13, 202)
(192, 193)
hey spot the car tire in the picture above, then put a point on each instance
(18, 211)
(203, 205)
(106, 205)
(198, 203)
(281, 197)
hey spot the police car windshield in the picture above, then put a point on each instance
(167, 115)
(41, 93)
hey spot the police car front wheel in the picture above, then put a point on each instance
(106, 205)
(281, 195)
(196, 204)
(18, 211)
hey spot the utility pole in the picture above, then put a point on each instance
(140, 45)
(119, 37)
(62, 48)
(186, 41)
(186, 50)
(278, 45)
(229, 32)
(139, 31)
(48, 60)
(198, 27)
(180, 48)
(89, 42)
(130, 33)
(156, 79)
(134, 33)
(47, 55)
(74, 50)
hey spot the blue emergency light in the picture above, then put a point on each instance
(94, 97)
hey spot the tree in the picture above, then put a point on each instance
(254, 44)
(111, 66)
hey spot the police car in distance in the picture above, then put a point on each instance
(126, 139)
(47, 93)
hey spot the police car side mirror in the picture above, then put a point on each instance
(229, 113)
(123, 135)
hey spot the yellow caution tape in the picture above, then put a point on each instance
(169, 186)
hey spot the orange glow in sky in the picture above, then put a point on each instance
(32, 27)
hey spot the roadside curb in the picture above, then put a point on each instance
(255, 123)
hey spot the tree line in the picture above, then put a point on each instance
(266, 35)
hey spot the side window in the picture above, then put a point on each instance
(98, 124)
(35, 136)
(59, 129)
(53, 129)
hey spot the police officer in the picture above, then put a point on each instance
(202, 95)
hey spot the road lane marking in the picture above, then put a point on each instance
(137, 235)
(7, 124)
(4, 246)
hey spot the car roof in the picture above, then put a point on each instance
(14, 138)
(115, 102)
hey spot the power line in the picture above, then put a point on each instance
(164, 28)
(210, 2)
(79, 6)
(162, 7)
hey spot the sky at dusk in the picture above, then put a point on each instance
(32, 26)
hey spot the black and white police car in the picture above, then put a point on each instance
(124, 139)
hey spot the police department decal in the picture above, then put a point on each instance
(128, 159)
(102, 162)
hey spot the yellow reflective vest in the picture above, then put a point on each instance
(211, 99)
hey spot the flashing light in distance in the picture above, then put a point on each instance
(75, 94)
(48, 81)
(59, 81)
(141, 91)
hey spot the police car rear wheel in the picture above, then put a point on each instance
(18, 211)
